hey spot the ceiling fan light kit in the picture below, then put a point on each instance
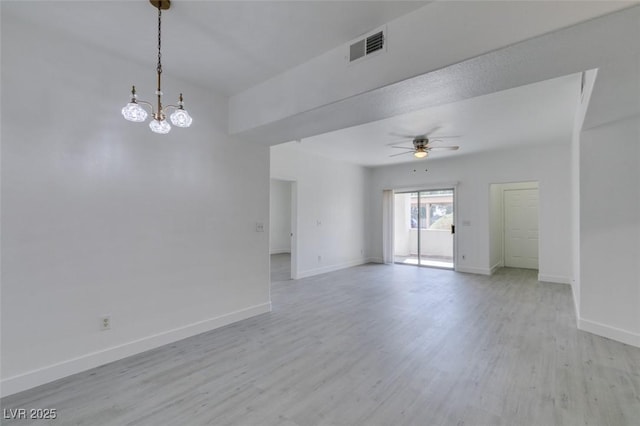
(420, 153)
(134, 111)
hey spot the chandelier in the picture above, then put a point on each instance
(133, 111)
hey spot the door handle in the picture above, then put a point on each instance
(453, 229)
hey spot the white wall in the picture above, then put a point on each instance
(331, 209)
(280, 217)
(607, 191)
(610, 230)
(583, 101)
(547, 164)
(102, 216)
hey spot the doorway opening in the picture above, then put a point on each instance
(282, 219)
(424, 228)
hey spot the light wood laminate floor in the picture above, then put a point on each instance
(372, 345)
(280, 267)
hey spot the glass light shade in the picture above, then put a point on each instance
(134, 112)
(161, 127)
(181, 118)
(420, 154)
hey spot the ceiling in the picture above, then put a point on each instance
(230, 46)
(225, 45)
(539, 113)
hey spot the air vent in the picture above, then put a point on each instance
(371, 43)
(375, 42)
(357, 50)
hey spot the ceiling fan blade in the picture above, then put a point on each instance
(402, 153)
(433, 130)
(436, 138)
(402, 136)
(405, 141)
(403, 147)
(443, 148)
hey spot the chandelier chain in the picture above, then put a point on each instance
(159, 68)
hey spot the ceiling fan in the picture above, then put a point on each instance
(422, 145)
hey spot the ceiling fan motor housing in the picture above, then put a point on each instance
(420, 142)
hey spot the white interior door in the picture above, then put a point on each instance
(521, 228)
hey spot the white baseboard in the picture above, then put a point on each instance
(495, 267)
(473, 270)
(374, 260)
(280, 251)
(330, 268)
(554, 279)
(609, 332)
(66, 368)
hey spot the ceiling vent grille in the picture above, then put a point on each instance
(371, 43)
(357, 50)
(375, 42)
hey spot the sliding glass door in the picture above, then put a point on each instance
(423, 228)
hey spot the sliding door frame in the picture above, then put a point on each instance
(426, 188)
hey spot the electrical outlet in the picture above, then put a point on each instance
(319, 258)
(105, 322)
(259, 227)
